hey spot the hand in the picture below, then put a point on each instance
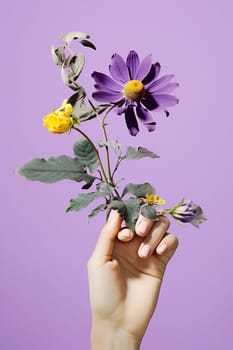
(125, 280)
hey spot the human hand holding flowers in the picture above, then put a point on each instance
(125, 280)
(133, 90)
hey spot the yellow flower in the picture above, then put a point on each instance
(154, 199)
(59, 121)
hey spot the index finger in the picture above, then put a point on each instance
(105, 243)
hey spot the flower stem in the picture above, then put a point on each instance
(102, 125)
(110, 174)
(96, 151)
(106, 148)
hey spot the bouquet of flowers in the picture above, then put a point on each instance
(133, 89)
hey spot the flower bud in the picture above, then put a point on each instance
(153, 199)
(188, 211)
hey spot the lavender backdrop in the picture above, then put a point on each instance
(43, 251)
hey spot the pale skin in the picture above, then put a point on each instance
(125, 275)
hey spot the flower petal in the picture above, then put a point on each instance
(145, 117)
(131, 121)
(132, 62)
(105, 81)
(157, 69)
(149, 102)
(165, 100)
(118, 69)
(107, 96)
(167, 88)
(104, 88)
(144, 68)
(160, 82)
(153, 73)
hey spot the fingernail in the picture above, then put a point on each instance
(144, 251)
(112, 215)
(143, 227)
(125, 234)
(161, 249)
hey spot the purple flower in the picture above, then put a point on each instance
(135, 89)
(187, 211)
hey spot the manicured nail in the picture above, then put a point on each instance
(112, 215)
(144, 251)
(161, 249)
(125, 234)
(143, 227)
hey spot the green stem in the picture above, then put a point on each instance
(106, 149)
(102, 125)
(110, 174)
(96, 151)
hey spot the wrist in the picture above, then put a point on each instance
(108, 337)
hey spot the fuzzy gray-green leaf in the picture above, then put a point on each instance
(138, 153)
(64, 76)
(104, 188)
(138, 190)
(96, 211)
(86, 154)
(58, 55)
(114, 145)
(149, 212)
(77, 99)
(128, 210)
(54, 169)
(120, 207)
(133, 208)
(84, 112)
(75, 66)
(83, 200)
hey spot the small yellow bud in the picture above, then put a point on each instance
(154, 199)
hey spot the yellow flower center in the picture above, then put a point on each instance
(154, 199)
(134, 90)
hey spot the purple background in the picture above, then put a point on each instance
(43, 251)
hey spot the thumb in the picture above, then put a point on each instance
(105, 244)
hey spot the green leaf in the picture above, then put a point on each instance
(97, 210)
(133, 208)
(86, 112)
(86, 154)
(88, 43)
(77, 98)
(89, 183)
(138, 153)
(64, 76)
(55, 169)
(75, 66)
(58, 55)
(69, 37)
(128, 210)
(120, 207)
(83, 200)
(114, 145)
(138, 190)
(104, 188)
(149, 212)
